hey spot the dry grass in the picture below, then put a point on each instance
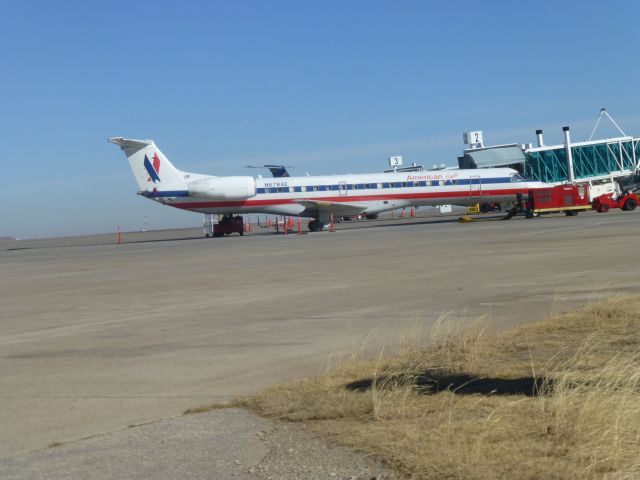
(555, 399)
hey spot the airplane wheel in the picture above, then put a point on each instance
(630, 205)
(315, 226)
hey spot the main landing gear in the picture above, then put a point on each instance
(315, 226)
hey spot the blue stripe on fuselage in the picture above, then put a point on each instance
(383, 185)
(168, 193)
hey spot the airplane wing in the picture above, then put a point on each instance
(322, 208)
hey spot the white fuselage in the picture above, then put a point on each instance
(373, 192)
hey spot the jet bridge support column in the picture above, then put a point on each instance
(567, 147)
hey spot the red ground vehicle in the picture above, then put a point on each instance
(569, 199)
(625, 202)
(229, 224)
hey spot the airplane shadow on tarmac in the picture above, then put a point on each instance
(430, 382)
(355, 225)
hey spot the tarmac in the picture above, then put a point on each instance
(96, 337)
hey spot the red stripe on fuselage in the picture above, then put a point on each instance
(349, 198)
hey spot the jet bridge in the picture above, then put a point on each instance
(583, 162)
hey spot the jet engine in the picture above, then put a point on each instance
(223, 188)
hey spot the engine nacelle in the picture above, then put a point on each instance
(224, 188)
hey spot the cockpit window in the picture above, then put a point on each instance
(516, 177)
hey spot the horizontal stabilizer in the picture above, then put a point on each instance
(129, 142)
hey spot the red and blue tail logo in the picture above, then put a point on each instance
(152, 170)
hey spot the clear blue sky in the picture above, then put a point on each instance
(326, 86)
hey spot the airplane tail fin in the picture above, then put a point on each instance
(150, 167)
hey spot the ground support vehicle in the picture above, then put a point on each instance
(473, 209)
(229, 224)
(569, 199)
(626, 202)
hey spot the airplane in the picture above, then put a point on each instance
(319, 198)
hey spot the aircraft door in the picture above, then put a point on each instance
(475, 187)
(342, 187)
